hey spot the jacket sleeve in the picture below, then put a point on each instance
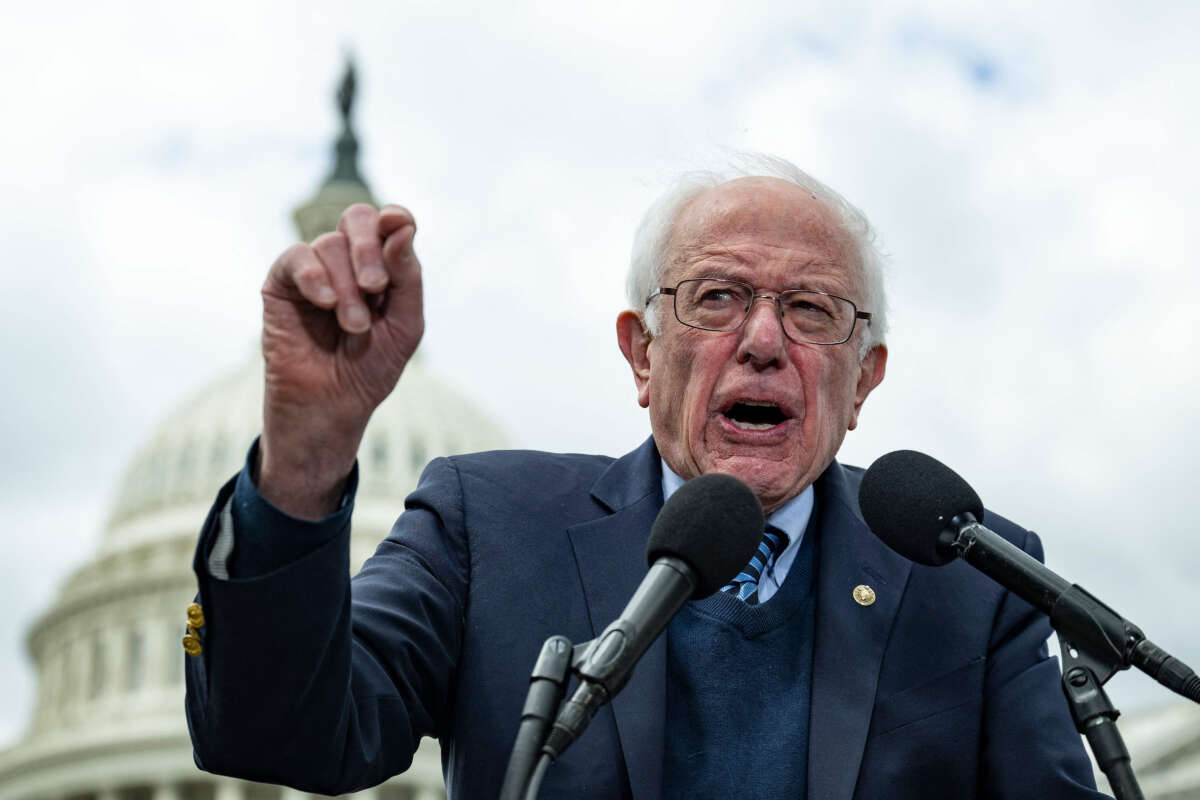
(312, 680)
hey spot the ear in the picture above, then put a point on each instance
(634, 341)
(870, 375)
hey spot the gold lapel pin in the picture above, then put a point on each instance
(863, 595)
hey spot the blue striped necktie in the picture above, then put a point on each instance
(745, 585)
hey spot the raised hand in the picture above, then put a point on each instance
(341, 318)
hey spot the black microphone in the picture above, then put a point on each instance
(924, 511)
(705, 534)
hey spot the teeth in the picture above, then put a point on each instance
(752, 426)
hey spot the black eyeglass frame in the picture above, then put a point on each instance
(673, 293)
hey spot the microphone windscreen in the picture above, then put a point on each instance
(714, 523)
(909, 498)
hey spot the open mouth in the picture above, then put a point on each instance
(752, 416)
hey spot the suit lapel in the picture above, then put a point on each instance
(850, 637)
(610, 554)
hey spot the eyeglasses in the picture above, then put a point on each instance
(809, 317)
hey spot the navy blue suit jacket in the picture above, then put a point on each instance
(940, 689)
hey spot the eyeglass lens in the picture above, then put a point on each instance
(719, 305)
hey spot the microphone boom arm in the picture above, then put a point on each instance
(1113, 642)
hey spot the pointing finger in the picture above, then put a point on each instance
(401, 261)
(397, 227)
(392, 218)
(359, 224)
(333, 250)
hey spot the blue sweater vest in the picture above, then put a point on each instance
(739, 680)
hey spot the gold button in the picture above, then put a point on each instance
(195, 616)
(864, 595)
(191, 645)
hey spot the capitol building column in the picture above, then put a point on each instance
(166, 790)
(229, 789)
(163, 639)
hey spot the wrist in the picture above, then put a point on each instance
(304, 480)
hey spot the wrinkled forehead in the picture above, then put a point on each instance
(762, 220)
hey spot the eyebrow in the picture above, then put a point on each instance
(806, 282)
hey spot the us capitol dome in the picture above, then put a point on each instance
(108, 722)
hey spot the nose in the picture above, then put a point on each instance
(763, 341)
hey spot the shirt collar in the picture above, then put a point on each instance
(791, 517)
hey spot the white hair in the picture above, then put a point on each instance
(648, 260)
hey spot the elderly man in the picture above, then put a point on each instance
(838, 670)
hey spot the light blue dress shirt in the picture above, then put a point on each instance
(791, 518)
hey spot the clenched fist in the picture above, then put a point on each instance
(341, 318)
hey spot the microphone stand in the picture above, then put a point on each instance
(547, 686)
(532, 752)
(1095, 717)
(1096, 642)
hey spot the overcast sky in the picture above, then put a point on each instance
(1031, 168)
